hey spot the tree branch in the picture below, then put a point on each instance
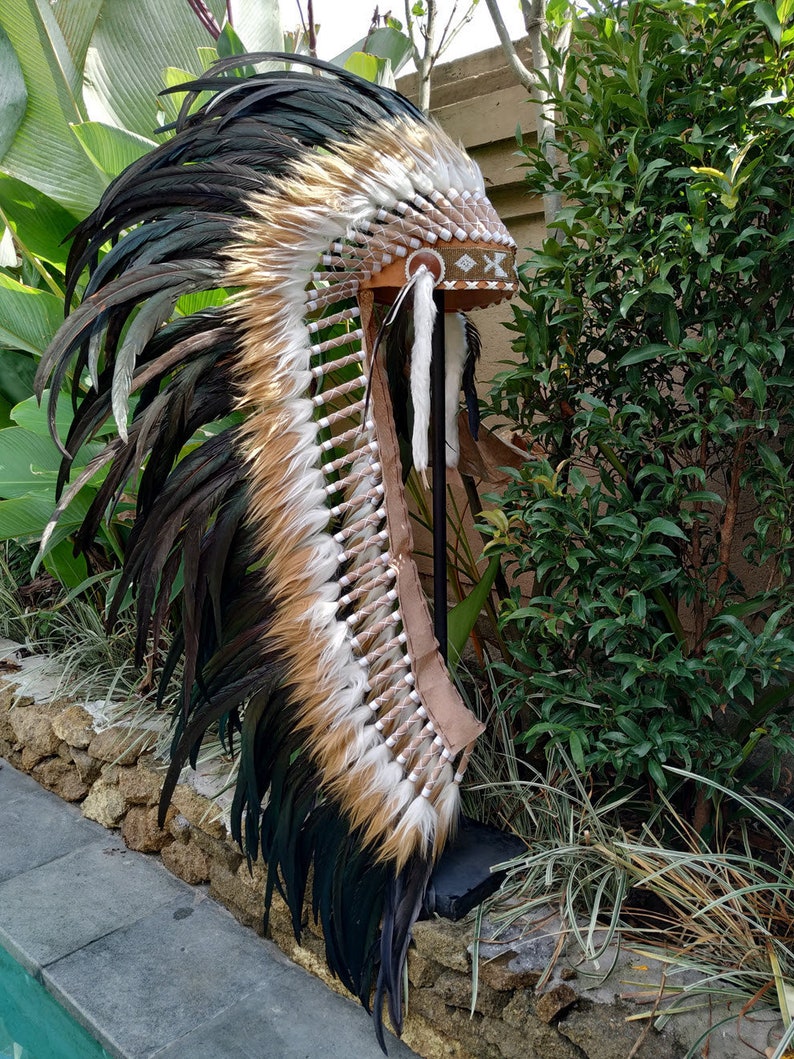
(525, 76)
(448, 34)
(423, 59)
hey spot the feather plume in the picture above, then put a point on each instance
(421, 356)
(301, 628)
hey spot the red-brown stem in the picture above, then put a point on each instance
(312, 29)
(702, 814)
(205, 17)
(698, 607)
(728, 529)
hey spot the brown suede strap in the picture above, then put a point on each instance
(451, 718)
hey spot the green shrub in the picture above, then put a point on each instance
(657, 339)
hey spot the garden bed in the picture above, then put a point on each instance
(518, 1010)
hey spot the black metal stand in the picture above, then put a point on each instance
(438, 410)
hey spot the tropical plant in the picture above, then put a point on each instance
(656, 330)
(81, 102)
(718, 919)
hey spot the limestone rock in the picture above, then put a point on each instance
(280, 921)
(447, 942)
(87, 767)
(456, 989)
(62, 778)
(28, 759)
(33, 730)
(180, 828)
(422, 971)
(500, 975)
(187, 861)
(517, 1010)
(218, 849)
(601, 1032)
(74, 726)
(110, 773)
(199, 811)
(7, 696)
(430, 1041)
(7, 734)
(534, 1038)
(227, 887)
(554, 1002)
(491, 1038)
(121, 746)
(105, 804)
(140, 830)
(21, 702)
(139, 786)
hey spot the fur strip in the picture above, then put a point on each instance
(421, 356)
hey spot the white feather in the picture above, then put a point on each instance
(420, 817)
(421, 355)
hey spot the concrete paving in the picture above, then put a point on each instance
(149, 965)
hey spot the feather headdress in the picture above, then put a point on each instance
(336, 211)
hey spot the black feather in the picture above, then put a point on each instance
(474, 347)
(169, 219)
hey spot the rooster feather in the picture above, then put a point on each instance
(317, 200)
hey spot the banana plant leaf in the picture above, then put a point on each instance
(111, 149)
(28, 318)
(43, 152)
(40, 224)
(13, 94)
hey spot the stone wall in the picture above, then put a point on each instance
(115, 778)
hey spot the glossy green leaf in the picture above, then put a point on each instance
(17, 371)
(29, 317)
(24, 518)
(8, 254)
(384, 42)
(77, 19)
(70, 569)
(642, 354)
(32, 416)
(131, 46)
(463, 617)
(666, 528)
(628, 300)
(170, 102)
(193, 303)
(40, 223)
(44, 153)
(766, 13)
(656, 772)
(28, 463)
(258, 24)
(370, 67)
(111, 149)
(229, 43)
(755, 384)
(13, 94)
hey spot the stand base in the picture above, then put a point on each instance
(462, 878)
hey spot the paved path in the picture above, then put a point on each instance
(150, 965)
